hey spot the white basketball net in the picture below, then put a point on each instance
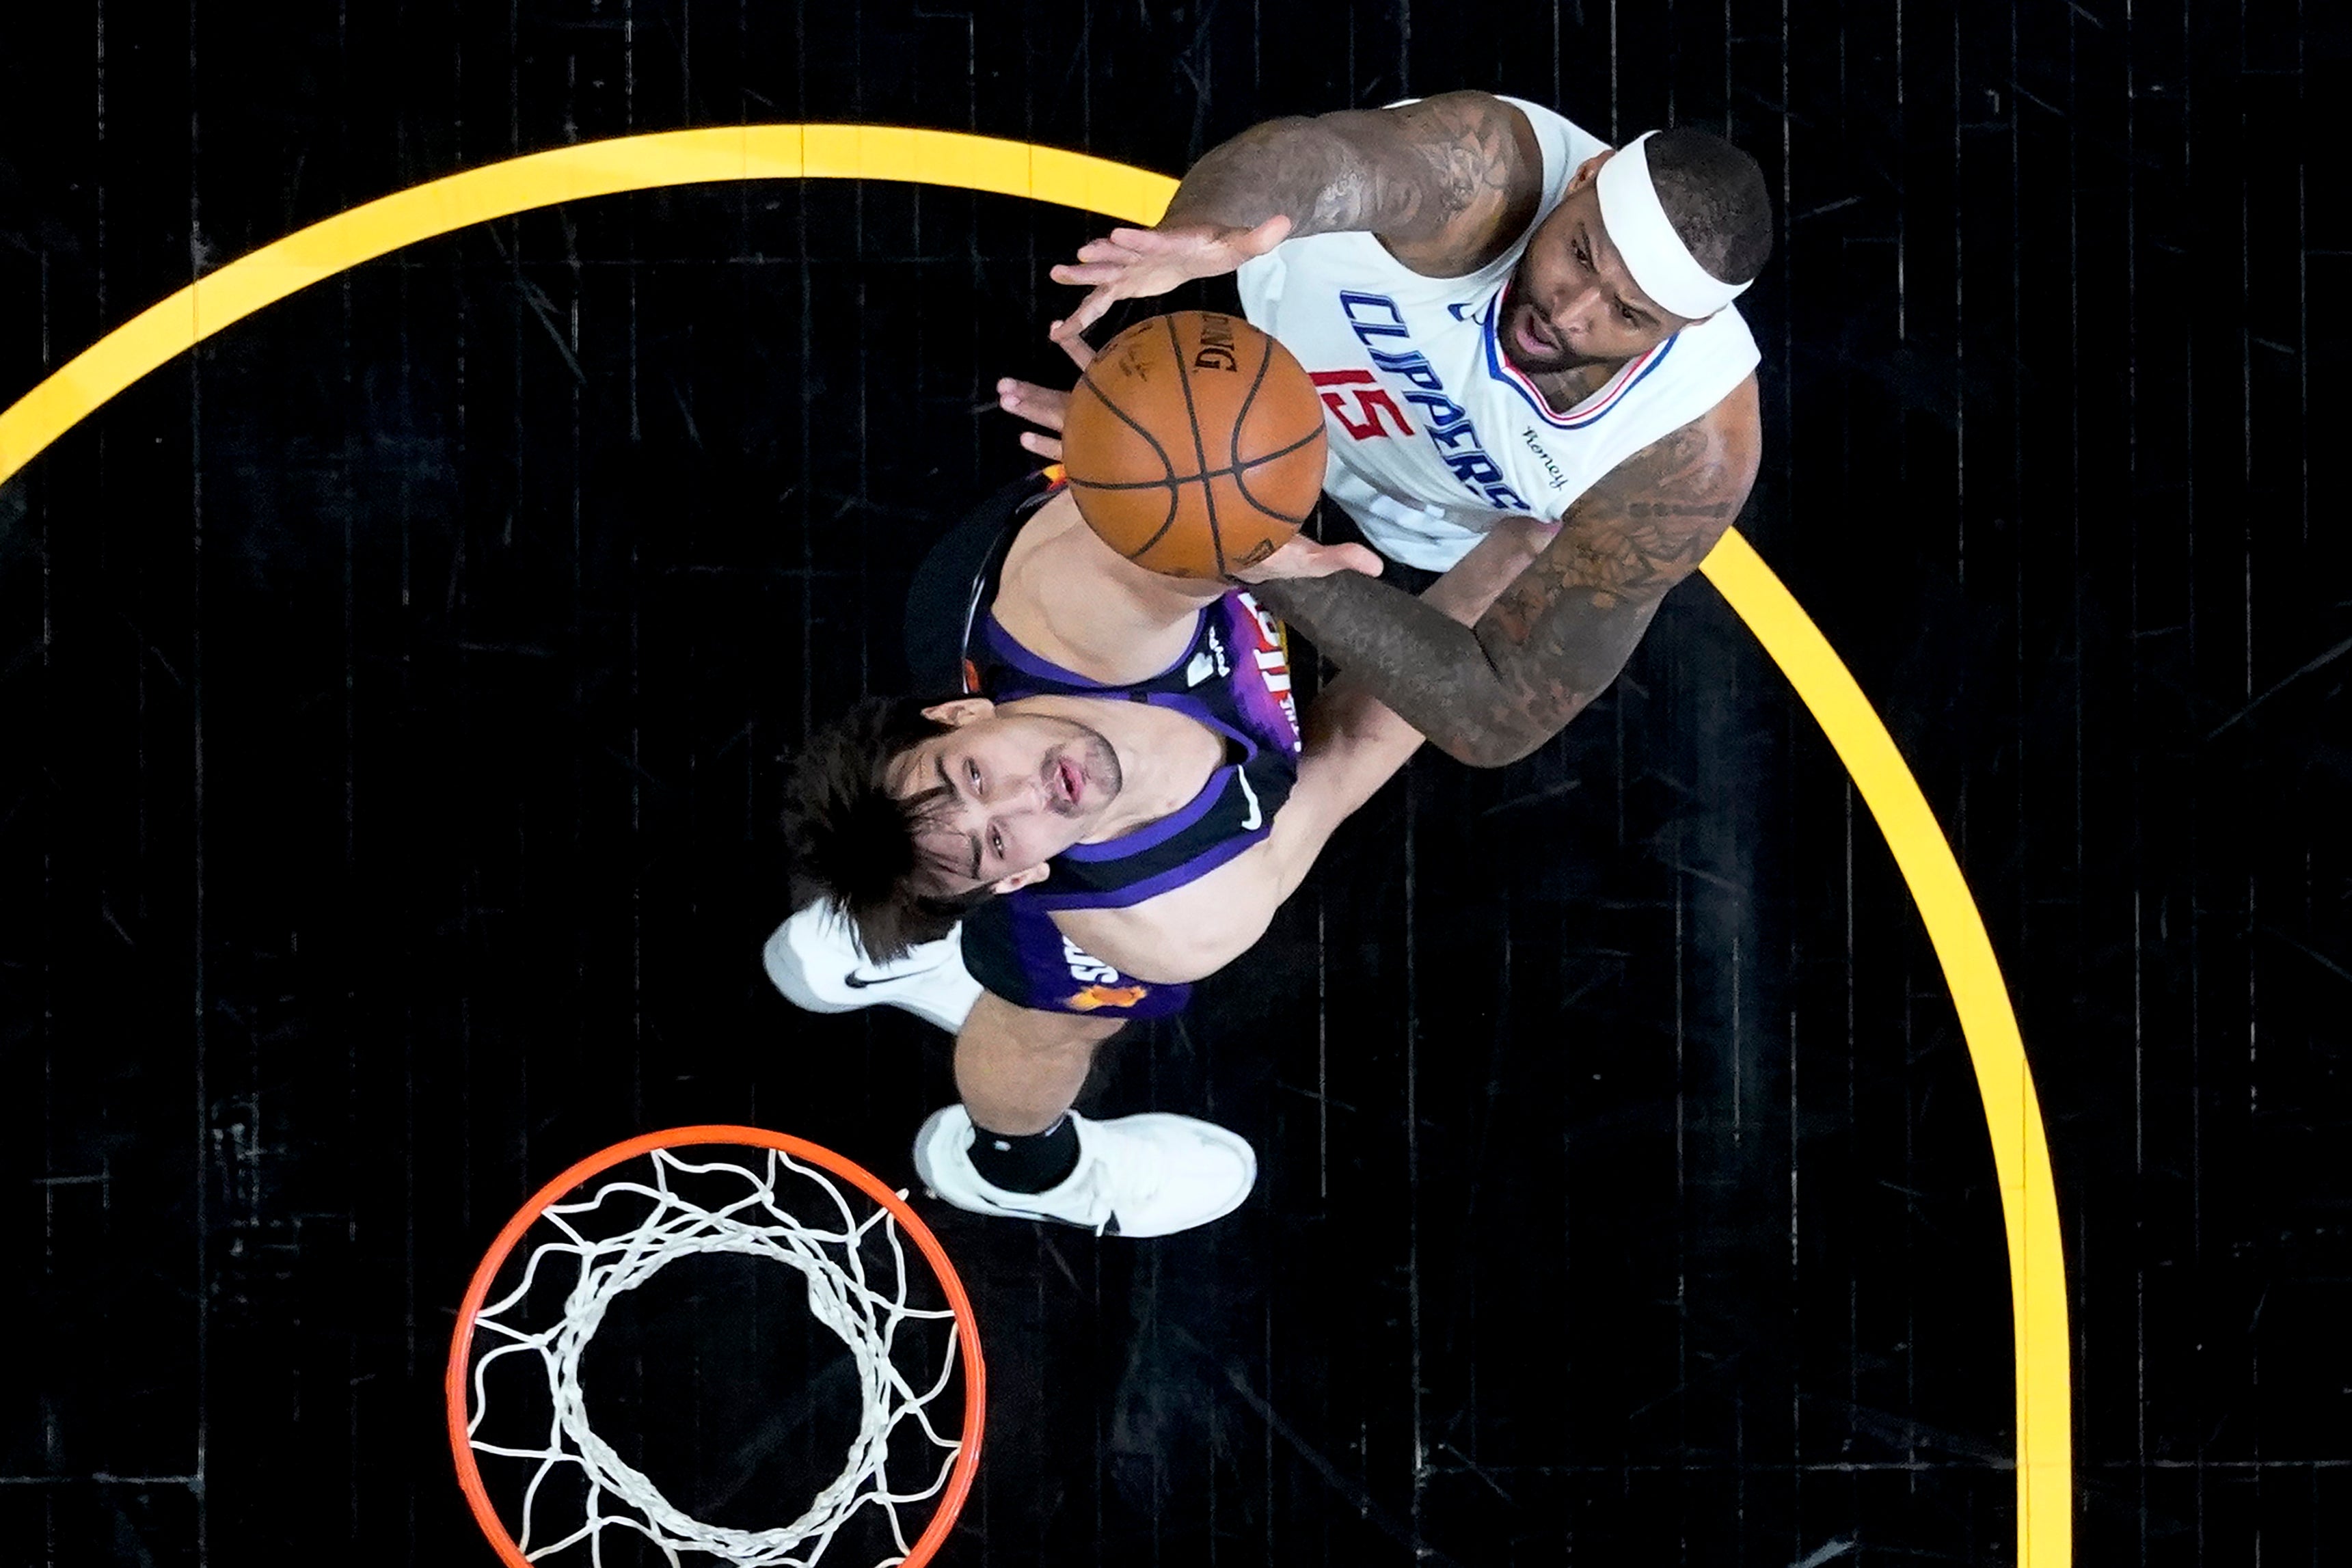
(868, 1318)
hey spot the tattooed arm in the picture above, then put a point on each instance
(1491, 694)
(1446, 184)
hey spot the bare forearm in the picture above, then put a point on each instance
(1354, 742)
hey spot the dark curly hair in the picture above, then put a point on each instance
(1715, 195)
(854, 842)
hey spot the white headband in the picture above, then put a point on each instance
(1652, 252)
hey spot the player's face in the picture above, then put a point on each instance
(1571, 301)
(1019, 788)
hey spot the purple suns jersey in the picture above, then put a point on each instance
(1234, 678)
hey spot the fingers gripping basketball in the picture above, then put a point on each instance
(1194, 445)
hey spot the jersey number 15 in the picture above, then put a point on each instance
(1371, 400)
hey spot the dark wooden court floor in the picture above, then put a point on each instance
(393, 692)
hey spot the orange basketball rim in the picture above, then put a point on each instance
(458, 1379)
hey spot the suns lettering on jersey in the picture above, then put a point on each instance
(1379, 325)
(1098, 983)
(1083, 965)
(1272, 657)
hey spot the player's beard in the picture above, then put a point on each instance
(1516, 308)
(1097, 762)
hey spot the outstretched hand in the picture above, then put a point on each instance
(1042, 406)
(1303, 557)
(1132, 263)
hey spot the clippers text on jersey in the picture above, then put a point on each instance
(1377, 321)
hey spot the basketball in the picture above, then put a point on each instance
(1194, 445)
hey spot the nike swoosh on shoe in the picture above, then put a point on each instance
(1109, 1226)
(857, 982)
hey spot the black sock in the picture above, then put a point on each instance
(1031, 1163)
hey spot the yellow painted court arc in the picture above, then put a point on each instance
(2037, 1273)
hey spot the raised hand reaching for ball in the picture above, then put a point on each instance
(1194, 445)
(1194, 448)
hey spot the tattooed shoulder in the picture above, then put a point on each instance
(1482, 170)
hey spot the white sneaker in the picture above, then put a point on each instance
(815, 961)
(1138, 1175)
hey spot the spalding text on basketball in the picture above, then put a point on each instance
(1216, 351)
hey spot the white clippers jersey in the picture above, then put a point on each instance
(1435, 437)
